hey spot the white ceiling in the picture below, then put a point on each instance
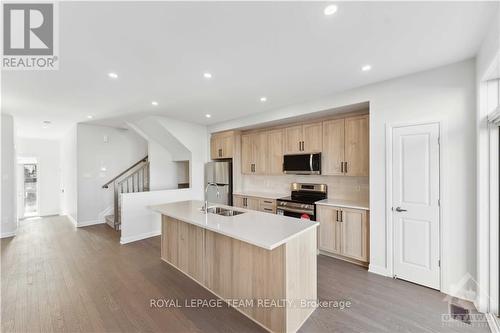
(288, 51)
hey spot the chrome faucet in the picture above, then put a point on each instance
(205, 206)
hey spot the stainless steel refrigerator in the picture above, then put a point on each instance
(220, 173)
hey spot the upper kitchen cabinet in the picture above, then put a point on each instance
(303, 139)
(275, 145)
(254, 153)
(222, 145)
(357, 146)
(346, 146)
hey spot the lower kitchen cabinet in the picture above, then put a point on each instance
(255, 203)
(246, 202)
(344, 232)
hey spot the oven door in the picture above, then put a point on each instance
(299, 214)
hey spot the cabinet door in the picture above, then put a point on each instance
(329, 229)
(226, 144)
(333, 147)
(252, 203)
(275, 152)
(293, 140)
(355, 234)
(357, 146)
(238, 201)
(312, 138)
(214, 147)
(259, 152)
(246, 154)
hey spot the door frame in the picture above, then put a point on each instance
(442, 198)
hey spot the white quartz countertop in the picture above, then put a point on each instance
(267, 195)
(257, 228)
(344, 204)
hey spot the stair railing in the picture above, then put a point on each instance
(134, 179)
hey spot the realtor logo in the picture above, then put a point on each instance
(29, 36)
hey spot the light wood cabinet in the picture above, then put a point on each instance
(267, 205)
(357, 146)
(255, 203)
(346, 146)
(344, 232)
(275, 142)
(333, 147)
(354, 242)
(293, 140)
(246, 202)
(303, 139)
(329, 229)
(222, 145)
(254, 153)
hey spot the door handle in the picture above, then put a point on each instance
(345, 167)
(341, 167)
(399, 210)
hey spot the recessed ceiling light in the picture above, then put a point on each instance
(90, 116)
(113, 75)
(207, 75)
(330, 9)
(263, 99)
(366, 68)
(208, 115)
(154, 103)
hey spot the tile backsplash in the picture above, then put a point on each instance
(339, 187)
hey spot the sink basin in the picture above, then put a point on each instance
(223, 211)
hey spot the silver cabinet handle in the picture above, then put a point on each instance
(399, 210)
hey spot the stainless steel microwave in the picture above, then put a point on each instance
(302, 164)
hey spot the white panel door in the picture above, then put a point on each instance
(415, 205)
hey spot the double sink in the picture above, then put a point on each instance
(223, 211)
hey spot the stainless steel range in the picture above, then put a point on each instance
(300, 203)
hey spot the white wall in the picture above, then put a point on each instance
(46, 153)
(138, 222)
(444, 94)
(162, 169)
(98, 162)
(487, 63)
(69, 174)
(8, 207)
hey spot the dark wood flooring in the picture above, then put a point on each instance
(56, 278)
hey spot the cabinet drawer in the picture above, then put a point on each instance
(268, 209)
(264, 202)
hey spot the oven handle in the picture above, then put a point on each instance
(299, 211)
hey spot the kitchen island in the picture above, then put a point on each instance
(263, 265)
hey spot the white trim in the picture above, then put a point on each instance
(135, 238)
(8, 234)
(380, 270)
(90, 222)
(71, 219)
(494, 218)
(493, 322)
(389, 237)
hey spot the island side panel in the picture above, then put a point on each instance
(183, 247)
(301, 277)
(240, 271)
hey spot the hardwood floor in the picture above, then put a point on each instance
(56, 278)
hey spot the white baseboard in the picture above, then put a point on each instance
(493, 322)
(135, 238)
(71, 219)
(378, 270)
(87, 223)
(7, 234)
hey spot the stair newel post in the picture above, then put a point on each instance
(116, 187)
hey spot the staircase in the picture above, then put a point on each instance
(133, 179)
